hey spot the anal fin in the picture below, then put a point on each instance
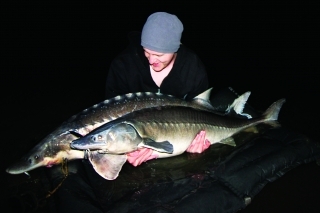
(228, 141)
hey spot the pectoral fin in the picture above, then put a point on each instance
(107, 166)
(164, 146)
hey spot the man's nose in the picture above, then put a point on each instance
(152, 59)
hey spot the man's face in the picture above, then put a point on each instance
(158, 61)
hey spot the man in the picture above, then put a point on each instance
(156, 61)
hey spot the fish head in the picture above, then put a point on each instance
(111, 138)
(32, 160)
(50, 151)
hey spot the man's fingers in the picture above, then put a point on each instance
(139, 156)
(199, 143)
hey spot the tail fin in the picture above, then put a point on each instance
(238, 105)
(272, 113)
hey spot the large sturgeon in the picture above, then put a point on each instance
(156, 128)
(56, 146)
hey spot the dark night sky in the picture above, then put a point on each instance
(55, 58)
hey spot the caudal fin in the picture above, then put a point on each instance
(272, 113)
(238, 105)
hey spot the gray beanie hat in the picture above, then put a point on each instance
(162, 33)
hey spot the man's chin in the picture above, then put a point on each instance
(157, 69)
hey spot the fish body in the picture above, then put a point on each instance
(56, 146)
(157, 127)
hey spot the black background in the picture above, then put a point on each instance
(55, 58)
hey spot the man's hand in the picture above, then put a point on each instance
(139, 156)
(199, 143)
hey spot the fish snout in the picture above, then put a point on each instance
(88, 143)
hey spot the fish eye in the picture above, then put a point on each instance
(36, 157)
(99, 137)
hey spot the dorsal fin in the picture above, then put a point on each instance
(203, 100)
(205, 95)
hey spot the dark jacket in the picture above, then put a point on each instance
(130, 72)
